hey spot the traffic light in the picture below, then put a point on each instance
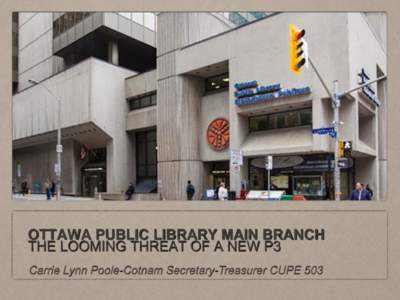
(341, 148)
(298, 49)
(345, 148)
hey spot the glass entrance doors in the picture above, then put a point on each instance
(94, 173)
(94, 180)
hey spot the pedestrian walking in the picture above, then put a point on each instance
(189, 190)
(216, 197)
(24, 187)
(47, 186)
(222, 192)
(243, 193)
(359, 193)
(53, 188)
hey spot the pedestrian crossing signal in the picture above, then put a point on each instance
(298, 49)
(345, 148)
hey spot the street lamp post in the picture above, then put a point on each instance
(59, 147)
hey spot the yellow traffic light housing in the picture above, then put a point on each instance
(341, 148)
(298, 49)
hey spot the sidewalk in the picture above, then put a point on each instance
(38, 197)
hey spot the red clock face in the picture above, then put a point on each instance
(218, 134)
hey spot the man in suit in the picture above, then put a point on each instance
(360, 193)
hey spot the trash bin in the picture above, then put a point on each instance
(232, 195)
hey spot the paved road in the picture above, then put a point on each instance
(38, 197)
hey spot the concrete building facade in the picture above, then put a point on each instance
(161, 105)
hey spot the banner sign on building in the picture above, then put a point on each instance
(250, 92)
(368, 91)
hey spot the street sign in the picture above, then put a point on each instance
(236, 157)
(59, 148)
(57, 169)
(345, 163)
(268, 163)
(325, 130)
(368, 91)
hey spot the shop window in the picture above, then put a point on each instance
(216, 83)
(287, 119)
(142, 101)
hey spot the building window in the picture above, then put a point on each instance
(97, 155)
(67, 21)
(142, 101)
(218, 82)
(286, 119)
(146, 154)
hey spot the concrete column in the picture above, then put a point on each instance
(178, 104)
(113, 53)
(238, 125)
(178, 141)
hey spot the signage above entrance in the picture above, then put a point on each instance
(250, 92)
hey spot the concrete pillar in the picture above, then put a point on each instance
(113, 53)
(119, 163)
(178, 104)
(178, 141)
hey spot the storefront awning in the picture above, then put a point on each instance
(285, 141)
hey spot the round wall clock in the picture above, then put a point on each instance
(218, 134)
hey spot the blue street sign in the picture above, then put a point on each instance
(325, 130)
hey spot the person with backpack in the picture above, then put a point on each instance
(368, 188)
(189, 190)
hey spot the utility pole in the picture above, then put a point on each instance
(335, 100)
(336, 123)
(59, 149)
